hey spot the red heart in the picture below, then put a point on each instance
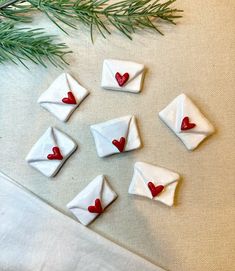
(120, 145)
(97, 208)
(186, 125)
(70, 99)
(56, 155)
(121, 79)
(155, 190)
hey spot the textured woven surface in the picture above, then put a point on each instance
(195, 57)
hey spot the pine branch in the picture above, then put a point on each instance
(126, 16)
(56, 11)
(16, 11)
(19, 45)
(6, 3)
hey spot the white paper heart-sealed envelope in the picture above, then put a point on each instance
(63, 96)
(154, 182)
(186, 121)
(92, 200)
(122, 75)
(50, 152)
(116, 136)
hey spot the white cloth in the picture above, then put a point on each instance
(183, 109)
(116, 135)
(97, 189)
(133, 70)
(39, 155)
(63, 96)
(36, 237)
(146, 175)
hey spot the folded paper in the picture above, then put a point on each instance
(115, 136)
(154, 182)
(92, 200)
(50, 152)
(122, 75)
(63, 96)
(186, 121)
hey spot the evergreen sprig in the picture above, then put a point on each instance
(126, 16)
(58, 11)
(19, 45)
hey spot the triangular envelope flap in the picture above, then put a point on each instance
(156, 175)
(78, 90)
(138, 185)
(43, 147)
(89, 194)
(113, 129)
(132, 68)
(57, 91)
(167, 196)
(108, 195)
(64, 142)
(186, 108)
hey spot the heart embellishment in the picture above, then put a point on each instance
(70, 99)
(121, 79)
(56, 155)
(155, 190)
(97, 208)
(120, 145)
(186, 125)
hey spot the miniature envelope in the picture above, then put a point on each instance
(153, 182)
(115, 136)
(92, 200)
(186, 121)
(51, 151)
(122, 75)
(63, 96)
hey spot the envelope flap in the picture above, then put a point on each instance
(89, 194)
(187, 109)
(43, 147)
(113, 129)
(78, 91)
(156, 175)
(138, 185)
(132, 68)
(58, 90)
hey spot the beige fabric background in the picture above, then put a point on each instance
(195, 57)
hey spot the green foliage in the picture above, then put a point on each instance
(16, 12)
(19, 45)
(126, 16)
(57, 11)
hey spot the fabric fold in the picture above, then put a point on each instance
(52, 241)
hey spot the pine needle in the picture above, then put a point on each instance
(19, 45)
(126, 16)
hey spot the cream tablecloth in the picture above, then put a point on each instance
(195, 57)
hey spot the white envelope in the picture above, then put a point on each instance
(45, 158)
(158, 177)
(134, 72)
(63, 96)
(98, 189)
(186, 121)
(115, 136)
